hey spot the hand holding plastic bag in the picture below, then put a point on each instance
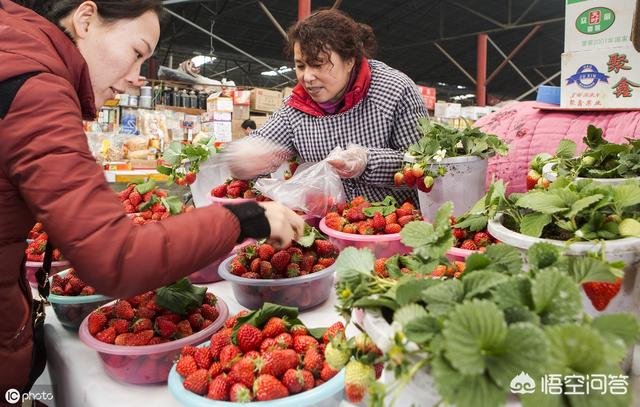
(252, 156)
(314, 189)
(349, 163)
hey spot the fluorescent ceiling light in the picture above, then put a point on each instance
(200, 60)
(463, 97)
(461, 87)
(282, 69)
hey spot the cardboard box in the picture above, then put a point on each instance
(241, 112)
(286, 92)
(236, 130)
(597, 24)
(601, 79)
(265, 100)
(260, 120)
(216, 116)
(448, 110)
(221, 130)
(428, 95)
(242, 97)
(474, 112)
(219, 104)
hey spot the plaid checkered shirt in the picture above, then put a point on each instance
(385, 122)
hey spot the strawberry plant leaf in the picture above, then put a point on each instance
(392, 266)
(384, 210)
(543, 255)
(164, 170)
(172, 155)
(376, 303)
(623, 326)
(317, 332)
(520, 313)
(585, 269)
(477, 261)
(448, 292)
(408, 313)
(556, 297)
(417, 234)
(474, 223)
(566, 149)
(626, 195)
(353, 261)
(505, 259)
(409, 290)
(545, 202)
(515, 292)
(532, 224)
(474, 332)
(311, 234)
(180, 296)
(173, 204)
(525, 349)
(575, 347)
(448, 380)
(146, 187)
(479, 282)
(422, 329)
(147, 205)
(582, 204)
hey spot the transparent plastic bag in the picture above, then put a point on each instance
(314, 189)
(212, 173)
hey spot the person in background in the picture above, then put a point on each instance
(248, 126)
(343, 98)
(54, 72)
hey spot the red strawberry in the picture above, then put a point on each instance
(336, 223)
(405, 219)
(228, 354)
(327, 372)
(274, 327)
(398, 179)
(350, 228)
(459, 234)
(277, 362)
(231, 322)
(120, 325)
(469, 245)
(332, 331)
(296, 255)
(97, 321)
(251, 275)
(190, 178)
(280, 260)
(293, 270)
(141, 338)
(242, 372)
(307, 263)
(391, 219)
(293, 381)
(425, 184)
(379, 367)
(203, 357)
(379, 222)
(146, 312)
(417, 170)
(166, 328)
(252, 355)
(354, 215)
(249, 338)
(313, 361)
(365, 228)
(268, 345)
(325, 248)
(196, 321)
(392, 228)
(409, 178)
(482, 239)
(135, 198)
(184, 329)
(380, 267)
(601, 293)
(216, 369)
(238, 183)
(237, 268)
(267, 387)
(303, 342)
(255, 266)
(240, 393)
(298, 330)
(234, 192)
(210, 298)
(197, 382)
(284, 340)
(317, 268)
(219, 191)
(209, 312)
(326, 262)
(403, 212)
(107, 336)
(124, 310)
(218, 388)
(266, 270)
(186, 365)
(147, 197)
(532, 179)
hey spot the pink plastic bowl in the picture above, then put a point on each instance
(380, 245)
(228, 201)
(457, 254)
(31, 267)
(209, 274)
(147, 364)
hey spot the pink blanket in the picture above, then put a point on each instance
(531, 131)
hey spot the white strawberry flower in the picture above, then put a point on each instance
(440, 155)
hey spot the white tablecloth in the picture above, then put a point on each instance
(79, 379)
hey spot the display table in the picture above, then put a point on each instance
(79, 379)
(133, 175)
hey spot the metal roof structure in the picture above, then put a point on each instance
(432, 41)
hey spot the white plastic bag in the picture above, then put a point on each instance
(314, 189)
(212, 173)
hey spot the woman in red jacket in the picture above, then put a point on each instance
(53, 74)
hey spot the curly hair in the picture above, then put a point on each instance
(331, 30)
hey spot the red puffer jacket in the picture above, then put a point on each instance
(48, 173)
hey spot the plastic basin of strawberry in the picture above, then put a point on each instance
(71, 310)
(209, 274)
(329, 394)
(458, 254)
(229, 201)
(380, 245)
(303, 292)
(147, 364)
(31, 267)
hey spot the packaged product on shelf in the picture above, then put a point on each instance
(219, 103)
(129, 121)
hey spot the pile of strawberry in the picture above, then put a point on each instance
(362, 217)
(262, 261)
(138, 321)
(70, 285)
(468, 240)
(453, 270)
(133, 201)
(245, 363)
(237, 188)
(35, 249)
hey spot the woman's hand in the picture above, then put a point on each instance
(252, 156)
(285, 224)
(349, 163)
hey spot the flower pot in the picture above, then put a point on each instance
(463, 184)
(549, 173)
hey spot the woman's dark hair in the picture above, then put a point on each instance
(109, 10)
(248, 124)
(331, 30)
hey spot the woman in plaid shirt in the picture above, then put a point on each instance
(342, 99)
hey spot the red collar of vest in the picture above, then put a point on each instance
(300, 99)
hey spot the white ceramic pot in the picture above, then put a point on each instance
(549, 173)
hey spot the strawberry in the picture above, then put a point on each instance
(284, 340)
(186, 365)
(240, 393)
(358, 377)
(120, 325)
(398, 179)
(402, 221)
(543, 182)
(439, 271)
(210, 298)
(238, 183)
(409, 178)
(255, 266)
(251, 275)
(378, 367)
(196, 321)
(459, 234)
(325, 248)
(403, 212)
(219, 191)
(124, 310)
(332, 331)
(197, 382)
(203, 358)
(228, 354)
(469, 245)
(350, 228)
(293, 270)
(417, 170)
(365, 228)
(158, 208)
(274, 327)
(234, 192)
(266, 270)
(190, 178)
(267, 387)
(601, 293)
(391, 218)
(379, 222)
(141, 338)
(146, 312)
(308, 262)
(252, 355)
(302, 343)
(354, 215)
(358, 200)
(248, 338)
(317, 267)
(532, 179)
(380, 267)
(88, 290)
(277, 362)
(336, 223)
(107, 336)
(298, 330)
(482, 239)
(135, 198)
(216, 369)
(231, 322)
(147, 197)
(327, 372)
(242, 372)
(166, 328)
(209, 312)
(268, 345)
(326, 261)
(280, 260)
(364, 345)
(425, 184)
(96, 322)
(237, 268)
(313, 361)
(296, 255)
(293, 381)
(392, 228)
(184, 329)
(218, 388)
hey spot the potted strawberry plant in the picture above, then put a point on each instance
(448, 164)
(584, 217)
(469, 341)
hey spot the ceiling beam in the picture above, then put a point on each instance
(477, 13)
(453, 61)
(273, 19)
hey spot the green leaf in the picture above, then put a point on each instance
(477, 261)
(409, 313)
(442, 216)
(629, 228)
(376, 303)
(520, 313)
(626, 195)
(422, 329)
(479, 282)
(384, 210)
(392, 266)
(575, 347)
(317, 332)
(164, 170)
(173, 204)
(525, 349)
(566, 149)
(180, 296)
(479, 391)
(514, 292)
(544, 202)
(447, 292)
(409, 289)
(311, 234)
(584, 269)
(417, 234)
(173, 154)
(556, 297)
(268, 310)
(623, 326)
(353, 261)
(473, 331)
(474, 223)
(448, 380)
(594, 138)
(583, 204)
(147, 205)
(532, 224)
(543, 255)
(146, 187)
(505, 259)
